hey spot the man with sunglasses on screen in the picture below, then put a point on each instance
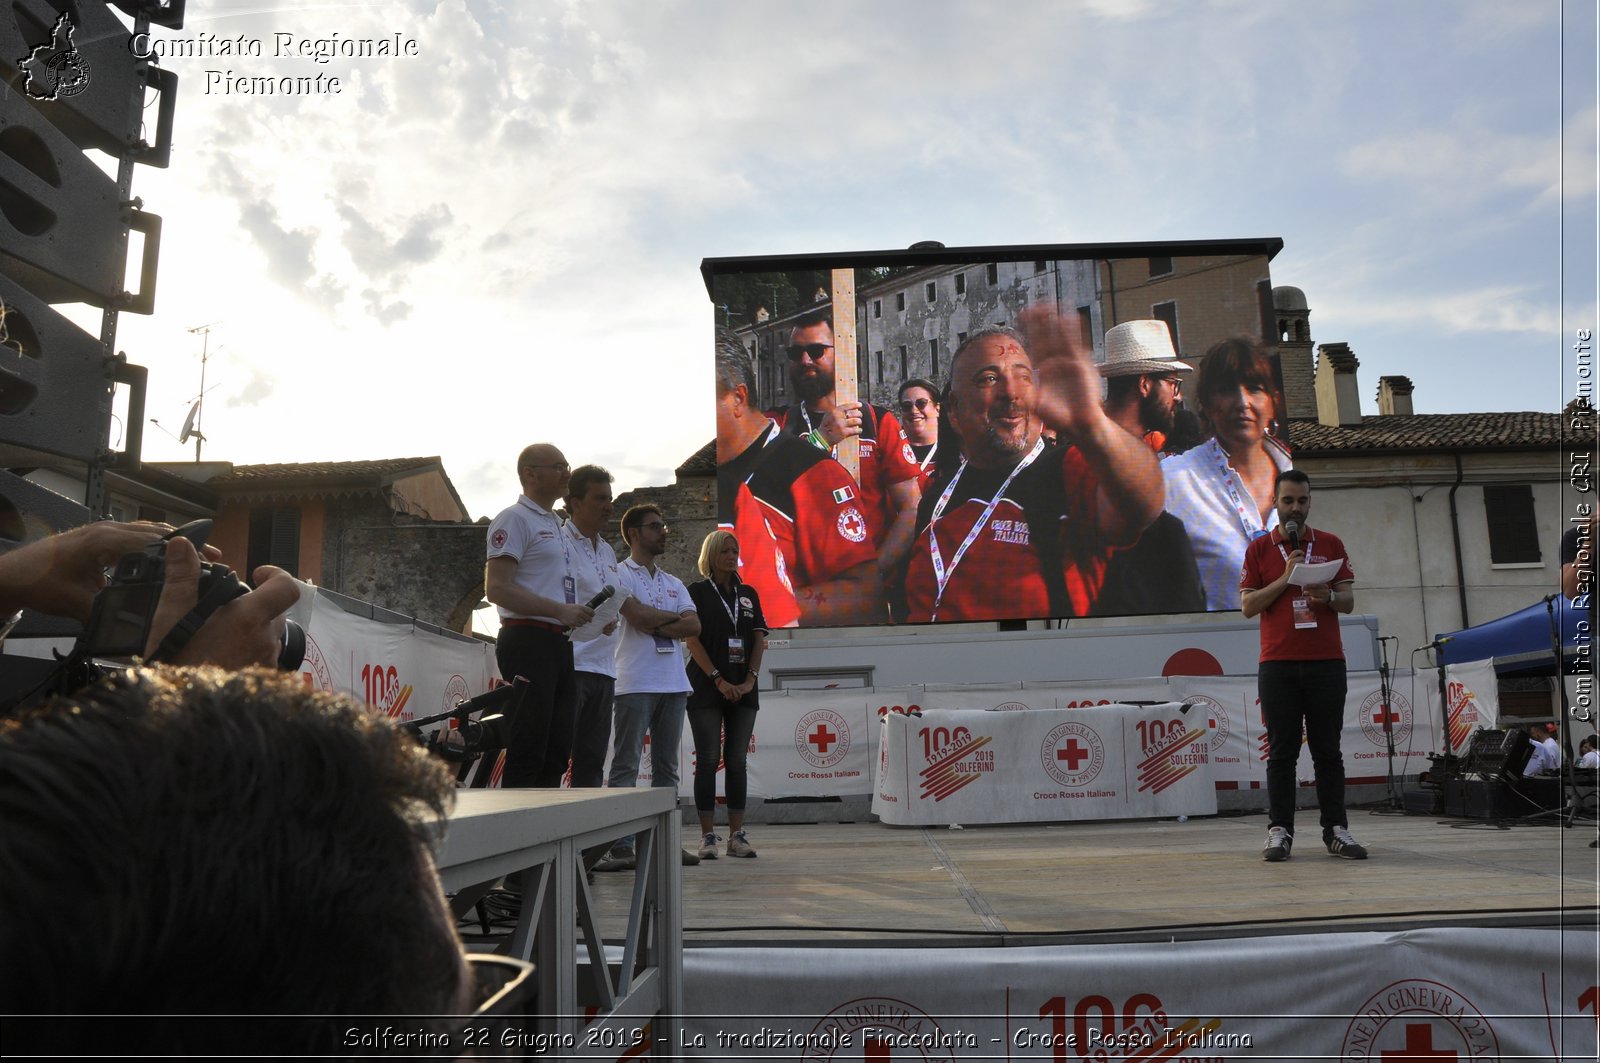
(1021, 529)
(200, 862)
(890, 482)
(804, 542)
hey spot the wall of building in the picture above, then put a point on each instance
(1216, 296)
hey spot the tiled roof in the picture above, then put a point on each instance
(702, 462)
(374, 472)
(1436, 432)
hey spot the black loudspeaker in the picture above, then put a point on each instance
(55, 382)
(1496, 754)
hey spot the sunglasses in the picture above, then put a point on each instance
(815, 350)
(907, 405)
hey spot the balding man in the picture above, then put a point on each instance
(531, 577)
(1022, 529)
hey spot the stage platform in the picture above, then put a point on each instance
(866, 884)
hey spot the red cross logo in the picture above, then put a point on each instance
(822, 738)
(1419, 1046)
(1385, 715)
(1073, 754)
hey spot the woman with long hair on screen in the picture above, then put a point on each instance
(1222, 489)
(724, 661)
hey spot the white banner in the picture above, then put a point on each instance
(1105, 762)
(1438, 994)
(1232, 718)
(395, 669)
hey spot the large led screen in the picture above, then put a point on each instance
(998, 434)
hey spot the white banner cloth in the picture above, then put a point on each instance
(1105, 762)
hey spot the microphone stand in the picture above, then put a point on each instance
(1384, 695)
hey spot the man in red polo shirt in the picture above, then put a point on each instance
(804, 542)
(1301, 680)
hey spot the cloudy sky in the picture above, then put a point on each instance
(497, 240)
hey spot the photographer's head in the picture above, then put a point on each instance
(194, 841)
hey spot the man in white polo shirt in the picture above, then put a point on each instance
(652, 686)
(531, 577)
(594, 647)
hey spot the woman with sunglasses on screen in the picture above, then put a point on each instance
(1222, 489)
(725, 659)
(918, 408)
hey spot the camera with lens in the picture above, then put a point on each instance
(119, 627)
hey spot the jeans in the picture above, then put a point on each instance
(1308, 695)
(721, 734)
(591, 734)
(662, 716)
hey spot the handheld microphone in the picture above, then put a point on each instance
(1440, 641)
(1291, 532)
(594, 603)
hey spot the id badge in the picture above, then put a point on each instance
(735, 650)
(569, 587)
(664, 644)
(1303, 616)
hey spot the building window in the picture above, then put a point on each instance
(992, 272)
(933, 356)
(903, 366)
(1513, 533)
(864, 364)
(1168, 312)
(930, 290)
(1040, 266)
(1086, 326)
(1161, 266)
(961, 284)
(880, 367)
(877, 308)
(900, 300)
(274, 539)
(961, 337)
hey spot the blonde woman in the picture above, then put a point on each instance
(724, 661)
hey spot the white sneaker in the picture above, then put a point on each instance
(739, 845)
(1279, 842)
(1340, 843)
(708, 847)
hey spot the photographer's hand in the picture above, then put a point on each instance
(61, 574)
(246, 631)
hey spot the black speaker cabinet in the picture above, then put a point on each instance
(1499, 754)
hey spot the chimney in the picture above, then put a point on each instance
(1394, 396)
(1338, 400)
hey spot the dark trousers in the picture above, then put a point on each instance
(539, 739)
(591, 733)
(721, 734)
(1303, 696)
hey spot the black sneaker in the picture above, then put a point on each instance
(1340, 843)
(1279, 842)
(617, 861)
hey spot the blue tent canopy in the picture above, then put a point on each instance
(1519, 642)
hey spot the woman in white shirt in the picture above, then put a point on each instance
(1222, 489)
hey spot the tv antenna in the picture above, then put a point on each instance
(191, 423)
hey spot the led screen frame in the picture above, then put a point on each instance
(819, 538)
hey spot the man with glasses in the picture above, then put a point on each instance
(532, 578)
(1144, 392)
(652, 687)
(890, 482)
(237, 859)
(1144, 380)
